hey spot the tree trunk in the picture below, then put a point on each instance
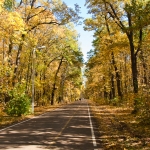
(144, 65)
(112, 87)
(133, 64)
(117, 76)
(55, 79)
(125, 74)
(133, 55)
(17, 60)
(105, 93)
(114, 63)
(28, 75)
(62, 82)
(105, 90)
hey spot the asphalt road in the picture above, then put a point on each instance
(67, 128)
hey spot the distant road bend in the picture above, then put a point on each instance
(67, 128)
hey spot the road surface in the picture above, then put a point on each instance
(67, 128)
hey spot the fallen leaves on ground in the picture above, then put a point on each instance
(119, 129)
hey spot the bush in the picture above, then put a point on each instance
(19, 103)
(115, 101)
(17, 107)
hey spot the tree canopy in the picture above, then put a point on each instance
(119, 62)
(25, 27)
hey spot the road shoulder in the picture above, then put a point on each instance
(118, 128)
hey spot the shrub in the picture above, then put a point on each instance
(114, 101)
(19, 103)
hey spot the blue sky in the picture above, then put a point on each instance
(86, 37)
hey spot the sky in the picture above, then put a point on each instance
(86, 37)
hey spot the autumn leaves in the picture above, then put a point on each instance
(30, 24)
(120, 59)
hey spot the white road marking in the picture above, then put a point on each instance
(26, 120)
(92, 131)
(16, 124)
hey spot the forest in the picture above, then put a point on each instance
(118, 71)
(40, 56)
(41, 63)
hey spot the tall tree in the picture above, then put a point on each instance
(29, 25)
(130, 17)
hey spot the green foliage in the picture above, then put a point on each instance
(138, 104)
(19, 103)
(9, 4)
(114, 101)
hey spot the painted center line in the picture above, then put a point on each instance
(92, 131)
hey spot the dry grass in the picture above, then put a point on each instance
(119, 129)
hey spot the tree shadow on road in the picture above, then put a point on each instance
(66, 128)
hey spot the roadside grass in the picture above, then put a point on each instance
(6, 120)
(119, 129)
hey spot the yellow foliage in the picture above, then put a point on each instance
(12, 25)
(1, 5)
